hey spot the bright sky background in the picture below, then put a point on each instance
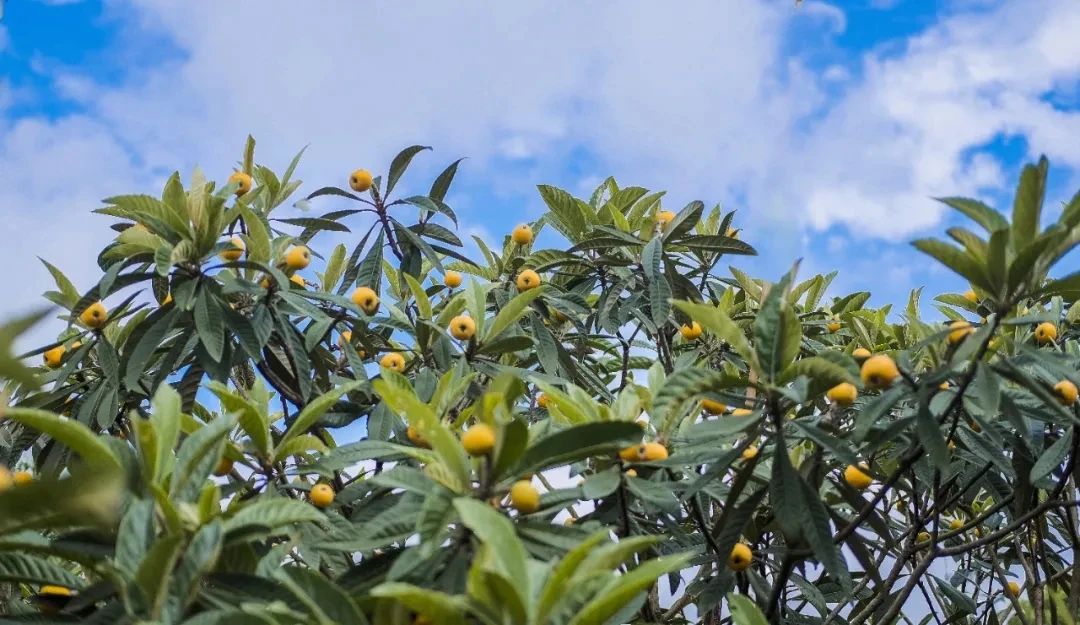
(828, 126)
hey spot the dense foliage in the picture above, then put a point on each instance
(613, 430)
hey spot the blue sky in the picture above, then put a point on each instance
(828, 126)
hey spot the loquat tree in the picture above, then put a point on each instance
(610, 430)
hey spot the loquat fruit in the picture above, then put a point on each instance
(522, 235)
(393, 361)
(298, 257)
(879, 371)
(462, 327)
(479, 440)
(360, 180)
(524, 497)
(243, 182)
(366, 299)
(94, 316)
(527, 280)
(322, 495)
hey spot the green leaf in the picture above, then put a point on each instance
(929, 433)
(28, 569)
(1052, 457)
(156, 570)
(1027, 205)
(652, 258)
(253, 419)
(777, 333)
(497, 532)
(135, 535)
(744, 612)
(714, 320)
(210, 324)
(960, 601)
(437, 606)
(956, 259)
(577, 443)
(72, 434)
(165, 417)
(198, 456)
(68, 292)
(335, 267)
(685, 384)
(324, 599)
(982, 214)
(625, 588)
(442, 182)
(271, 513)
(816, 530)
(568, 218)
(315, 409)
(400, 164)
(514, 310)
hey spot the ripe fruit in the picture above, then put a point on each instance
(958, 331)
(922, 537)
(970, 296)
(393, 361)
(651, 452)
(740, 557)
(322, 495)
(242, 180)
(543, 401)
(956, 524)
(360, 180)
(630, 454)
(631, 473)
(944, 386)
(664, 218)
(479, 440)
(6, 479)
(1066, 392)
(235, 249)
(741, 412)
(1045, 333)
(690, 332)
(224, 466)
(1013, 589)
(527, 279)
(462, 327)
(366, 299)
(298, 257)
(861, 353)
(415, 438)
(522, 235)
(834, 326)
(346, 337)
(843, 394)
(297, 280)
(879, 371)
(55, 591)
(750, 452)
(94, 316)
(732, 233)
(856, 477)
(524, 497)
(22, 478)
(713, 407)
(54, 357)
(452, 279)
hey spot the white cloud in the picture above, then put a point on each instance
(703, 100)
